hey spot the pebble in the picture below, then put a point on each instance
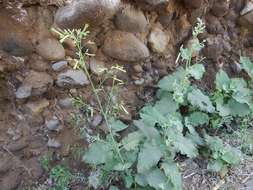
(36, 107)
(97, 67)
(60, 65)
(53, 143)
(139, 82)
(23, 92)
(158, 40)
(72, 78)
(17, 146)
(53, 124)
(79, 13)
(194, 4)
(5, 164)
(65, 103)
(220, 8)
(125, 46)
(155, 2)
(51, 49)
(138, 68)
(97, 120)
(131, 20)
(35, 84)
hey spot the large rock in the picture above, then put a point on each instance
(15, 34)
(72, 78)
(131, 20)
(246, 19)
(154, 2)
(194, 4)
(80, 12)
(158, 40)
(35, 84)
(125, 46)
(50, 49)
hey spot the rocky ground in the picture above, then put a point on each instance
(37, 79)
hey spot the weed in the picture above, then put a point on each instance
(61, 178)
(144, 158)
(45, 161)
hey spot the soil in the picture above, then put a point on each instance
(24, 134)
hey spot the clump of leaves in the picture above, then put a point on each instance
(145, 158)
(61, 178)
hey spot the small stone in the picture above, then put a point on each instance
(38, 81)
(53, 124)
(248, 8)
(36, 107)
(131, 20)
(97, 120)
(97, 67)
(65, 103)
(92, 12)
(220, 8)
(60, 65)
(194, 4)
(17, 146)
(23, 92)
(139, 82)
(138, 68)
(125, 46)
(53, 143)
(154, 2)
(72, 78)
(158, 40)
(51, 49)
(5, 164)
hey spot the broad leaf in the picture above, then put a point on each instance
(198, 99)
(196, 71)
(166, 104)
(238, 109)
(215, 165)
(222, 81)
(132, 140)
(231, 155)
(148, 157)
(247, 65)
(98, 153)
(167, 82)
(198, 118)
(171, 171)
(182, 144)
(157, 180)
(112, 187)
(117, 125)
(147, 131)
(141, 180)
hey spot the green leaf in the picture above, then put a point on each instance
(247, 65)
(223, 109)
(112, 187)
(147, 131)
(198, 118)
(132, 140)
(196, 71)
(198, 99)
(157, 180)
(167, 82)
(148, 157)
(214, 143)
(166, 104)
(231, 155)
(238, 109)
(215, 165)
(182, 144)
(171, 171)
(222, 81)
(117, 125)
(141, 179)
(98, 153)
